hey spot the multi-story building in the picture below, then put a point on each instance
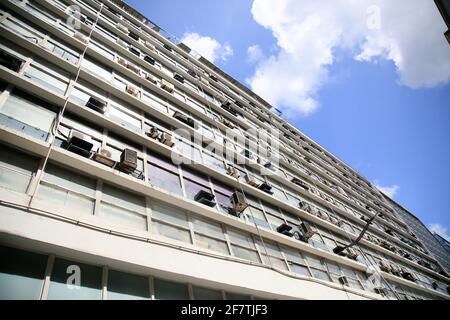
(431, 241)
(103, 196)
(444, 242)
(444, 9)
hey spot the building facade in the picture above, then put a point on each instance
(131, 167)
(431, 241)
(443, 242)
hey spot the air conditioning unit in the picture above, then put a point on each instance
(390, 232)
(80, 37)
(238, 201)
(167, 140)
(285, 229)
(79, 144)
(122, 43)
(343, 280)
(133, 36)
(178, 77)
(380, 290)
(435, 285)
(395, 270)
(266, 187)
(384, 266)
(307, 230)
(122, 28)
(122, 62)
(96, 105)
(149, 45)
(167, 47)
(205, 198)
(300, 183)
(185, 119)
(233, 172)
(408, 276)
(128, 161)
(252, 181)
(134, 68)
(151, 78)
(165, 85)
(227, 123)
(247, 153)
(192, 74)
(135, 51)
(104, 156)
(153, 133)
(352, 254)
(132, 90)
(213, 78)
(149, 60)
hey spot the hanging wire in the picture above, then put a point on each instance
(57, 122)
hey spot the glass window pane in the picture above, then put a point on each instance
(208, 227)
(206, 294)
(125, 286)
(123, 217)
(123, 198)
(171, 232)
(210, 243)
(16, 169)
(75, 281)
(165, 180)
(236, 296)
(21, 274)
(246, 254)
(299, 269)
(166, 290)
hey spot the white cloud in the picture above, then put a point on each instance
(389, 191)
(440, 230)
(254, 53)
(208, 47)
(308, 32)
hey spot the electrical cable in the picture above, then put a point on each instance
(57, 122)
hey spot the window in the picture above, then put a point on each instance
(21, 274)
(166, 290)
(236, 296)
(209, 235)
(243, 246)
(25, 113)
(64, 287)
(125, 286)
(194, 182)
(9, 61)
(206, 294)
(53, 79)
(123, 208)
(128, 119)
(164, 174)
(170, 222)
(16, 169)
(68, 190)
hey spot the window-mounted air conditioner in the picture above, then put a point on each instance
(300, 183)
(384, 266)
(153, 133)
(252, 181)
(352, 254)
(96, 105)
(150, 45)
(134, 68)
(10, 62)
(408, 276)
(344, 280)
(269, 165)
(165, 85)
(80, 144)
(266, 187)
(239, 203)
(192, 74)
(167, 47)
(395, 270)
(104, 156)
(307, 230)
(233, 172)
(122, 43)
(213, 78)
(435, 285)
(285, 229)
(205, 198)
(247, 153)
(167, 140)
(151, 78)
(122, 62)
(150, 60)
(132, 90)
(134, 36)
(185, 119)
(227, 106)
(178, 77)
(380, 290)
(80, 37)
(122, 27)
(390, 232)
(128, 161)
(227, 123)
(135, 51)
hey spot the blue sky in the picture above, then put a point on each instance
(379, 99)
